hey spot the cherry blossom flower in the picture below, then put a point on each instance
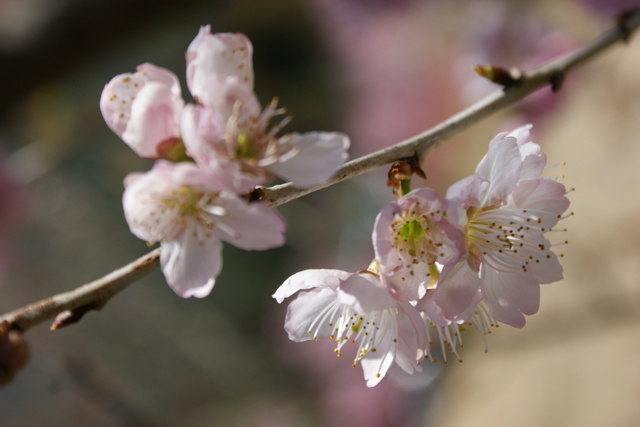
(184, 207)
(144, 109)
(508, 208)
(410, 235)
(356, 308)
(229, 129)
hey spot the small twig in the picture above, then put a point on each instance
(94, 295)
(551, 74)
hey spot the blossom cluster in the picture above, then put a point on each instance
(209, 155)
(474, 257)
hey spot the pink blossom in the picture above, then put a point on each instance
(357, 308)
(507, 209)
(144, 109)
(184, 207)
(410, 235)
(229, 129)
(217, 57)
(238, 135)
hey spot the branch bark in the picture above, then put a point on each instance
(70, 306)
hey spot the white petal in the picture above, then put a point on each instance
(304, 310)
(541, 197)
(412, 338)
(250, 226)
(222, 54)
(376, 364)
(319, 157)
(510, 295)
(456, 288)
(155, 118)
(120, 93)
(364, 293)
(501, 167)
(308, 279)
(189, 266)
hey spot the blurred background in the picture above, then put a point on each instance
(382, 71)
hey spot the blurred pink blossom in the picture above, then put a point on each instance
(611, 7)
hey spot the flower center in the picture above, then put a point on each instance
(371, 332)
(245, 150)
(507, 239)
(187, 208)
(411, 236)
(253, 139)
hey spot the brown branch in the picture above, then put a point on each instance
(70, 306)
(551, 74)
(94, 294)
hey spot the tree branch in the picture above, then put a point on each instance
(70, 306)
(93, 295)
(550, 74)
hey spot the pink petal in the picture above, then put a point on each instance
(189, 267)
(319, 157)
(456, 288)
(501, 167)
(468, 191)
(533, 163)
(187, 173)
(155, 118)
(542, 263)
(250, 226)
(304, 309)
(382, 245)
(412, 338)
(222, 54)
(375, 365)
(119, 94)
(542, 197)
(510, 295)
(364, 293)
(308, 279)
(203, 132)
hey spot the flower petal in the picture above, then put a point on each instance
(191, 266)
(542, 197)
(308, 279)
(376, 364)
(155, 118)
(126, 90)
(319, 155)
(501, 167)
(222, 54)
(250, 226)
(510, 295)
(304, 310)
(364, 293)
(456, 288)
